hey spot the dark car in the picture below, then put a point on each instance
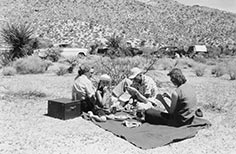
(168, 51)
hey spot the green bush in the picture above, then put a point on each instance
(218, 70)
(232, 70)
(31, 65)
(199, 69)
(18, 36)
(9, 71)
(62, 70)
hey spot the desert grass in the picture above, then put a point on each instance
(27, 90)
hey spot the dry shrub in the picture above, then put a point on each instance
(218, 70)
(62, 70)
(31, 65)
(200, 59)
(5, 58)
(52, 54)
(9, 71)
(199, 69)
(231, 66)
(118, 68)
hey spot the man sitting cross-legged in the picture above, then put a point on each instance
(139, 89)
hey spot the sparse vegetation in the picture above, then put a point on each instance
(200, 59)
(52, 54)
(9, 71)
(152, 25)
(29, 94)
(5, 58)
(62, 70)
(118, 68)
(185, 63)
(166, 63)
(199, 69)
(218, 70)
(231, 70)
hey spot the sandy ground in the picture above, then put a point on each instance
(25, 129)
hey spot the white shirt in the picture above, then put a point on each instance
(82, 88)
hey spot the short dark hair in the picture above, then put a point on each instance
(83, 69)
(177, 76)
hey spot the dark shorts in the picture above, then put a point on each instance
(157, 117)
(86, 105)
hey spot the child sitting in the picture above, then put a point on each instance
(104, 99)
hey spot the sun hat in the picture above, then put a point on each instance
(105, 77)
(134, 72)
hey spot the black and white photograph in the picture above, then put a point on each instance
(117, 76)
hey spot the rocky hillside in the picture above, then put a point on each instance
(165, 22)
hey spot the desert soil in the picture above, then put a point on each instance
(25, 129)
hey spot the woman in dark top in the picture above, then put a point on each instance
(183, 102)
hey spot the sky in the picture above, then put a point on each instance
(226, 5)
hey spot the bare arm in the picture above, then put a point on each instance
(134, 92)
(141, 97)
(99, 98)
(174, 99)
(170, 109)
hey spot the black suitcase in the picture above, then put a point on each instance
(64, 108)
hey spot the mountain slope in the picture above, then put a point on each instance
(164, 21)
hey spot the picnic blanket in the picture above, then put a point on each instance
(149, 136)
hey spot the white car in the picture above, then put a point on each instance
(74, 52)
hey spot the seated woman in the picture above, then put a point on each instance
(183, 102)
(83, 89)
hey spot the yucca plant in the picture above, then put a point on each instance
(114, 41)
(18, 36)
(114, 46)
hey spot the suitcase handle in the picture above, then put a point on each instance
(73, 107)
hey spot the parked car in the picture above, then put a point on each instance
(76, 52)
(168, 51)
(197, 50)
(71, 50)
